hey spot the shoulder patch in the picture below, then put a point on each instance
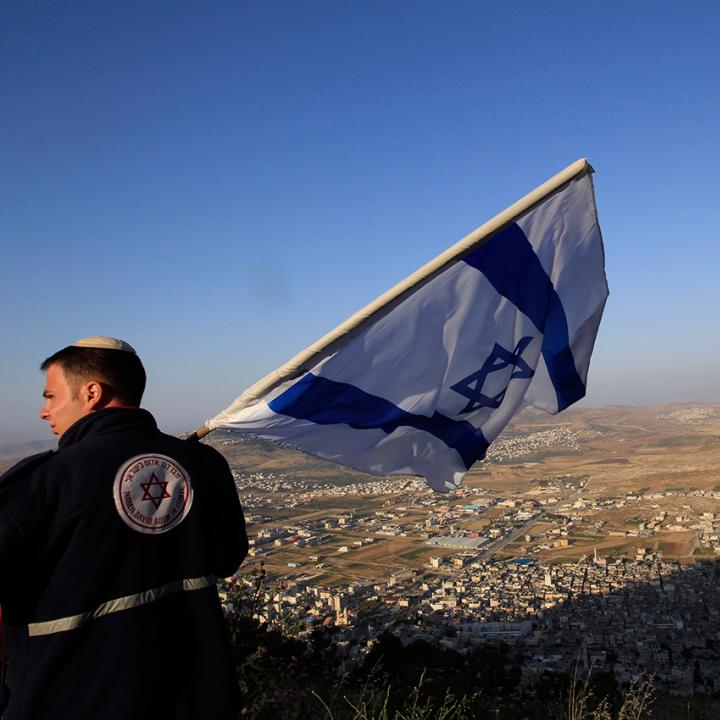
(152, 493)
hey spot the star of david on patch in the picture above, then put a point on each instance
(155, 499)
(500, 358)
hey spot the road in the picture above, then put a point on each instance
(510, 537)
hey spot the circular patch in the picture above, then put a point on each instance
(152, 493)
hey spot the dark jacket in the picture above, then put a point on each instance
(107, 572)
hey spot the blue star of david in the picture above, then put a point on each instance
(500, 358)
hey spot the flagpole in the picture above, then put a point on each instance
(298, 364)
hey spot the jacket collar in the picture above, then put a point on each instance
(109, 420)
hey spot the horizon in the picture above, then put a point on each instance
(49, 439)
(221, 186)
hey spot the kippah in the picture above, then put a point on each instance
(104, 343)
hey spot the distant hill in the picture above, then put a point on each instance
(668, 424)
(247, 454)
(10, 453)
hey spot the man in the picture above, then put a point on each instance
(109, 550)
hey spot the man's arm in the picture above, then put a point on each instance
(16, 502)
(11, 536)
(229, 537)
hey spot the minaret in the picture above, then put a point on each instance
(340, 603)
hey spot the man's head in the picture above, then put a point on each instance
(92, 374)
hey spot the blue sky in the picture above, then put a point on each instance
(221, 183)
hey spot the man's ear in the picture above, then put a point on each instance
(93, 395)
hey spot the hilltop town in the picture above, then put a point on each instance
(589, 536)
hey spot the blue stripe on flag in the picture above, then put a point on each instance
(327, 402)
(509, 262)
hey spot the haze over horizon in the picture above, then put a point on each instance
(222, 185)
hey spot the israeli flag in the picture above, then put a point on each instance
(425, 387)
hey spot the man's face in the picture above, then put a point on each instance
(62, 404)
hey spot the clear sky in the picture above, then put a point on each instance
(220, 183)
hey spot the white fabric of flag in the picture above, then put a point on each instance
(424, 388)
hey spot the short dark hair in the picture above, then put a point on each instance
(122, 373)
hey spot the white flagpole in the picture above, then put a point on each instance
(325, 345)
